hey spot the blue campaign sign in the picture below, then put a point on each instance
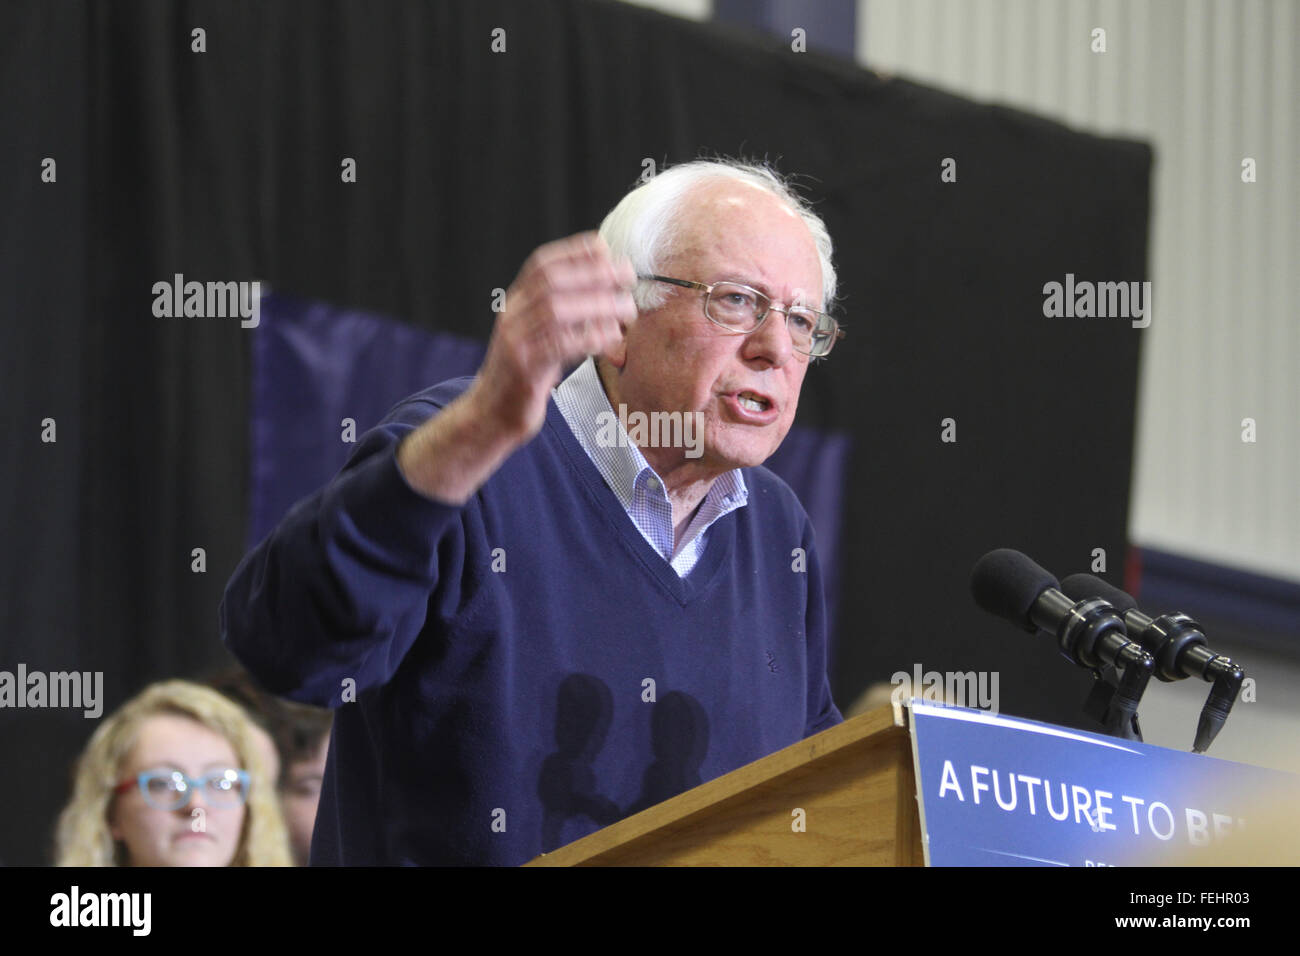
(1001, 791)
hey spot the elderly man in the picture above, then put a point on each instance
(527, 630)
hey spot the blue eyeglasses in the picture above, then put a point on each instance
(171, 789)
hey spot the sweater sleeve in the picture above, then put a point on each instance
(822, 712)
(343, 585)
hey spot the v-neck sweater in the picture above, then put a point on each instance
(512, 674)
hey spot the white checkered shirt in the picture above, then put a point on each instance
(581, 398)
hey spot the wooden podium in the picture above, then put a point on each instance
(854, 782)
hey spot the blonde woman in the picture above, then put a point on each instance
(173, 778)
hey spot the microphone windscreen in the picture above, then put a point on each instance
(1081, 587)
(1006, 583)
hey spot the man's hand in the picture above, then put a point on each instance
(570, 300)
(567, 302)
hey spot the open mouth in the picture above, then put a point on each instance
(751, 408)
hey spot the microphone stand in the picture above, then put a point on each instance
(1114, 698)
(1093, 635)
(1178, 645)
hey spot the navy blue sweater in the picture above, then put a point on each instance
(513, 674)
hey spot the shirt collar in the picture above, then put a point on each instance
(581, 399)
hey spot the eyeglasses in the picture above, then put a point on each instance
(741, 309)
(171, 789)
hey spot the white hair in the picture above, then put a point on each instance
(645, 224)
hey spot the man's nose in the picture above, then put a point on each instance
(771, 340)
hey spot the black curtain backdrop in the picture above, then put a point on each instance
(225, 165)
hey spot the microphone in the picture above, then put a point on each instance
(1010, 585)
(1089, 632)
(1180, 650)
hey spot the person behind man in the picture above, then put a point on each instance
(531, 620)
(303, 736)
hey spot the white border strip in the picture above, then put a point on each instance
(979, 717)
(1022, 856)
(920, 795)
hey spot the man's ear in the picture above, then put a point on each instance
(616, 355)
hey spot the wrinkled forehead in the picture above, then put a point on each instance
(736, 230)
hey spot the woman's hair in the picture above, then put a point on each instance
(83, 837)
(643, 227)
